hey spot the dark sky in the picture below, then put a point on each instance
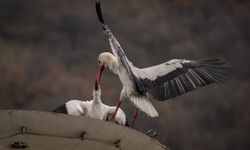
(49, 51)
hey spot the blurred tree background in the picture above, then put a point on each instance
(49, 51)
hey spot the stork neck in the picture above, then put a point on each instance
(113, 66)
(97, 96)
(97, 100)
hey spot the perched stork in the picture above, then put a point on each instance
(160, 82)
(93, 109)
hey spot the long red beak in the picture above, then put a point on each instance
(99, 75)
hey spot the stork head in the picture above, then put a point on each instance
(96, 93)
(105, 59)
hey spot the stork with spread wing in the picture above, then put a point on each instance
(161, 82)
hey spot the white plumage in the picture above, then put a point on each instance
(94, 109)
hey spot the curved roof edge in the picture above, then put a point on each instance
(49, 131)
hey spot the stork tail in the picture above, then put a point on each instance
(144, 105)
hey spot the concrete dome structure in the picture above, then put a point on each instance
(33, 130)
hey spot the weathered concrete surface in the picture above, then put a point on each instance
(50, 131)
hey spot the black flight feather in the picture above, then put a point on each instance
(99, 12)
(191, 75)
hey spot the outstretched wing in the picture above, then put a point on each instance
(115, 46)
(177, 77)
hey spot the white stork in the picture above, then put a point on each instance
(93, 109)
(160, 82)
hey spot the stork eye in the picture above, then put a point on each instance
(99, 61)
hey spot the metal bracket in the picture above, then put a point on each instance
(18, 145)
(118, 143)
(83, 135)
(23, 130)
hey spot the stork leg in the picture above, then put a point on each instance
(117, 107)
(134, 117)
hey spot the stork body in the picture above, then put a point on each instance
(129, 89)
(161, 82)
(93, 109)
